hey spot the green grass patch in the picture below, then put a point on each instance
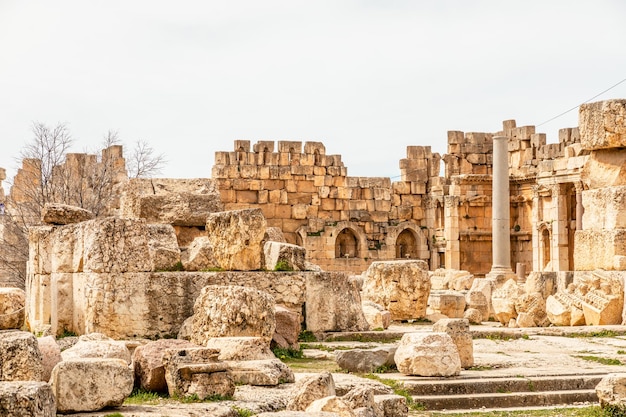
(306, 336)
(598, 359)
(66, 333)
(601, 333)
(385, 369)
(139, 396)
(213, 269)
(242, 412)
(480, 368)
(114, 415)
(193, 398)
(621, 352)
(178, 266)
(282, 353)
(283, 266)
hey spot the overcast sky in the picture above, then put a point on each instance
(367, 78)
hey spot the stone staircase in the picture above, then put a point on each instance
(503, 392)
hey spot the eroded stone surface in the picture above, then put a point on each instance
(12, 308)
(310, 389)
(27, 399)
(20, 358)
(427, 354)
(148, 363)
(56, 213)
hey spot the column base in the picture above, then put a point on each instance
(501, 275)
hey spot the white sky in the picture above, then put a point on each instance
(367, 77)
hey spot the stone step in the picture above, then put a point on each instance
(465, 386)
(506, 400)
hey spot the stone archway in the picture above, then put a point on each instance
(545, 246)
(346, 244)
(406, 245)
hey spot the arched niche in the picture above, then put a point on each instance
(407, 245)
(407, 238)
(346, 244)
(545, 249)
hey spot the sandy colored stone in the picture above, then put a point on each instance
(241, 348)
(284, 256)
(288, 328)
(604, 168)
(90, 384)
(503, 301)
(199, 255)
(534, 305)
(365, 360)
(162, 247)
(105, 349)
(449, 303)
(401, 287)
(474, 316)
(331, 404)
(196, 371)
(275, 234)
(333, 303)
(602, 124)
(597, 249)
(56, 213)
(459, 331)
(20, 358)
(604, 208)
(148, 363)
(392, 405)
(427, 354)
(311, 388)
(558, 314)
(223, 311)
(50, 354)
(236, 238)
(376, 315)
(27, 399)
(612, 390)
(180, 202)
(12, 308)
(262, 372)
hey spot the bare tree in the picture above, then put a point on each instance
(143, 162)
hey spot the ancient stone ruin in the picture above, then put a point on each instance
(199, 278)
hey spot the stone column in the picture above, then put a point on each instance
(501, 222)
(579, 206)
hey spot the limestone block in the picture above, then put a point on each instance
(241, 348)
(105, 348)
(449, 303)
(376, 315)
(365, 360)
(27, 399)
(602, 124)
(333, 303)
(474, 316)
(50, 355)
(612, 391)
(524, 320)
(236, 237)
(503, 301)
(199, 255)
(401, 287)
(56, 213)
(162, 247)
(597, 249)
(392, 405)
(181, 202)
(12, 308)
(605, 208)
(534, 305)
(20, 358)
(331, 404)
(39, 249)
(190, 371)
(275, 234)
(311, 388)
(288, 328)
(457, 280)
(458, 330)
(558, 314)
(605, 168)
(427, 354)
(476, 300)
(262, 372)
(90, 384)
(221, 311)
(67, 249)
(113, 245)
(148, 363)
(542, 282)
(284, 256)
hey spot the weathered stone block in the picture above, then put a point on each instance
(236, 237)
(20, 358)
(56, 213)
(12, 308)
(27, 399)
(401, 287)
(310, 389)
(427, 354)
(148, 363)
(365, 360)
(50, 355)
(284, 256)
(612, 391)
(241, 348)
(262, 372)
(199, 255)
(605, 208)
(458, 330)
(90, 384)
(597, 249)
(602, 124)
(232, 311)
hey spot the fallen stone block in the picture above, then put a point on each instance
(376, 315)
(148, 363)
(365, 360)
(60, 214)
(12, 307)
(265, 372)
(20, 358)
(50, 354)
(288, 328)
(427, 354)
(199, 255)
(241, 348)
(459, 331)
(26, 399)
(392, 405)
(612, 391)
(331, 404)
(90, 384)
(281, 256)
(310, 389)
(101, 347)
